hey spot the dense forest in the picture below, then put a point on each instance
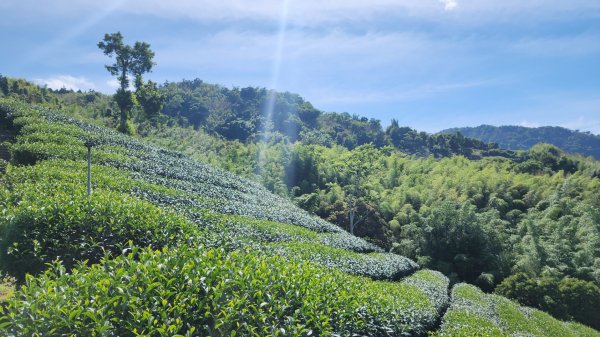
(238, 114)
(523, 138)
(523, 224)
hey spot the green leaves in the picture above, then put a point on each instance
(201, 291)
(473, 313)
(72, 227)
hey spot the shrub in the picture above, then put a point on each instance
(201, 292)
(473, 313)
(378, 266)
(73, 227)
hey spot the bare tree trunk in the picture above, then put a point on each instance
(351, 214)
(123, 122)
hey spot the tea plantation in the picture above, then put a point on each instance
(168, 246)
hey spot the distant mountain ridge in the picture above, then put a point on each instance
(514, 137)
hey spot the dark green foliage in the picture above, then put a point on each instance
(582, 300)
(439, 145)
(4, 85)
(150, 99)
(129, 61)
(569, 298)
(523, 138)
(240, 114)
(454, 239)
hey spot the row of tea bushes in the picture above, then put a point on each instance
(64, 176)
(47, 215)
(73, 227)
(234, 194)
(435, 285)
(378, 266)
(474, 313)
(209, 292)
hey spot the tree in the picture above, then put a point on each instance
(150, 98)
(4, 85)
(356, 167)
(129, 61)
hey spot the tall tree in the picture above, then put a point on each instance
(150, 98)
(4, 85)
(356, 167)
(129, 61)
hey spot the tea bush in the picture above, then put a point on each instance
(73, 227)
(378, 266)
(473, 313)
(434, 284)
(69, 177)
(226, 193)
(200, 292)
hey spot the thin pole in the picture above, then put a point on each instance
(89, 177)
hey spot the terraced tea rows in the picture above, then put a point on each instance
(169, 246)
(474, 313)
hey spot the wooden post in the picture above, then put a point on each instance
(89, 171)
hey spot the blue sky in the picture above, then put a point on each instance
(430, 64)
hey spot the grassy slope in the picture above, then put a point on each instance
(232, 230)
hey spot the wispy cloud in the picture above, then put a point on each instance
(558, 46)
(400, 94)
(309, 12)
(529, 124)
(67, 82)
(113, 83)
(449, 4)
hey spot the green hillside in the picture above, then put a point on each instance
(236, 114)
(166, 245)
(522, 138)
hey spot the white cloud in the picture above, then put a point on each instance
(449, 4)
(67, 82)
(339, 58)
(529, 124)
(113, 83)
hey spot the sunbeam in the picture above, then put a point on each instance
(267, 125)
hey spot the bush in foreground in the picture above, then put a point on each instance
(199, 292)
(74, 227)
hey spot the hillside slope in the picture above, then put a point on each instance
(169, 246)
(522, 138)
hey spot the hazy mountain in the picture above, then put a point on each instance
(522, 138)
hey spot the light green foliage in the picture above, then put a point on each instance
(379, 266)
(190, 291)
(39, 226)
(161, 199)
(582, 330)
(161, 167)
(473, 313)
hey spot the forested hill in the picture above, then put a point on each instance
(239, 114)
(522, 138)
(254, 114)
